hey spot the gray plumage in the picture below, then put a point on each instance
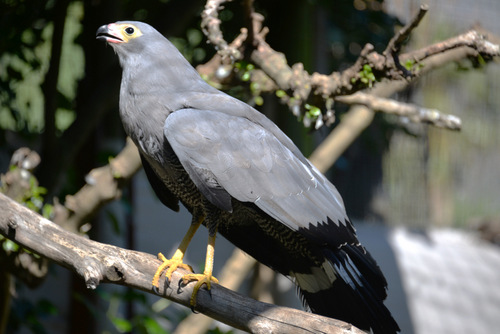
(226, 161)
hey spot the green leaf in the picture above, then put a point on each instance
(47, 210)
(481, 60)
(280, 93)
(10, 246)
(245, 76)
(409, 64)
(258, 100)
(122, 325)
(152, 326)
(255, 87)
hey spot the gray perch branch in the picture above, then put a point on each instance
(96, 262)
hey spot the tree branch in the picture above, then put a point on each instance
(104, 184)
(394, 45)
(96, 262)
(18, 183)
(414, 113)
(210, 25)
(360, 117)
(302, 86)
(478, 44)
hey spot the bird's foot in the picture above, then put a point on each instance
(202, 279)
(172, 265)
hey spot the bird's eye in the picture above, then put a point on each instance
(129, 30)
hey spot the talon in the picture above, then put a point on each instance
(202, 279)
(176, 260)
(172, 265)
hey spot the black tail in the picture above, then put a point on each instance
(356, 292)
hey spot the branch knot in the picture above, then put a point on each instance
(92, 273)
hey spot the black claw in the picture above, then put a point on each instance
(179, 288)
(194, 311)
(156, 290)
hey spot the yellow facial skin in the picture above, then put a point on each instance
(123, 32)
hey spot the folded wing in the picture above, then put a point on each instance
(231, 155)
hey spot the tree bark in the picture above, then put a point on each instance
(96, 262)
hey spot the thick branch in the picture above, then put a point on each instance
(96, 263)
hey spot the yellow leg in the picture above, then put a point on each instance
(176, 260)
(206, 277)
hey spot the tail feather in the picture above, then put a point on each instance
(354, 295)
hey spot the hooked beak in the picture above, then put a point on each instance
(110, 34)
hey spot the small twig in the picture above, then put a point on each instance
(391, 52)
(394, 45)
(471, 39)
(249, 23)
(414, 113)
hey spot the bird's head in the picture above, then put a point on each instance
(143, 51)
(128, 37)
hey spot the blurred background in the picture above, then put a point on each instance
(425, 201)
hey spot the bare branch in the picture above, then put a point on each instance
(360, 117)
(414, 113)
(96, 262)
(394, 45)
(300, 85)
(472, 39)
(210, 25)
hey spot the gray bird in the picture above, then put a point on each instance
(241, 176)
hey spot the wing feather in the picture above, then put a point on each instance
(244, 160)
